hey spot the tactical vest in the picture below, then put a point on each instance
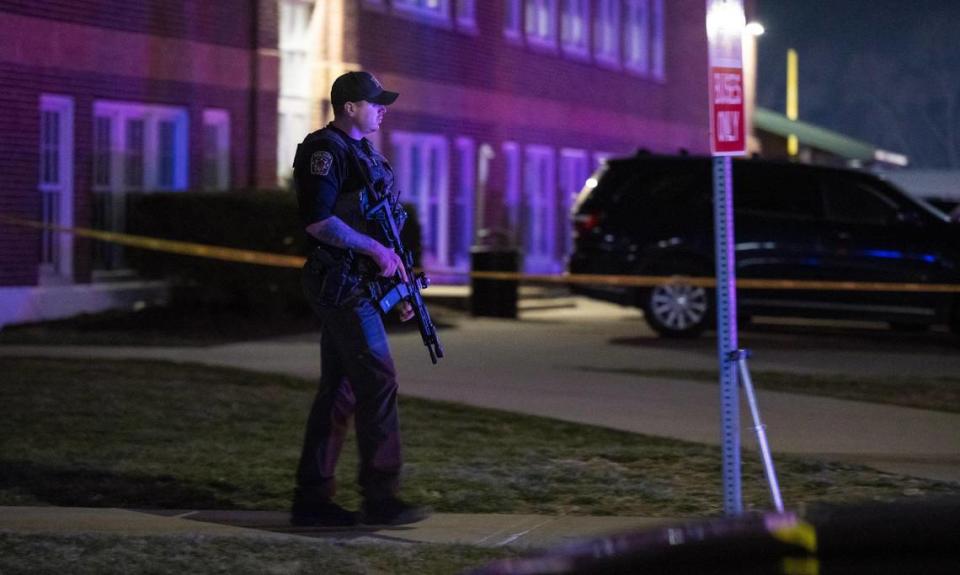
(354, 197)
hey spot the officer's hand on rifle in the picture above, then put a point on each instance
(389, 262)
(406, 310)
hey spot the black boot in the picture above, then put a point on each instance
(391, 511)
(320, 512)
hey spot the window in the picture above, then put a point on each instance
(540, 24)
(292, 126)
(466, 15)
(135, 147)
(539, 210)
(606, 34)
(512, 20)
(294, 43)
(636, 41)
(216, 150)
(134, 154)
(511, 194)
(657, 42)
(853, 202)
(574, 26)
(102, 149)
(429, 11)
(422, 162)
(774, 192)
(463, 204)
(56, 187)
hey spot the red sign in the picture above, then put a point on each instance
(727, 137)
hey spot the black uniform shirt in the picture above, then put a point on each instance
(327, 180)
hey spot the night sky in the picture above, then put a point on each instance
(883, 71)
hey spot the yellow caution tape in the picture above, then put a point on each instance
(281, 260)
(173, 247)
(798, 533)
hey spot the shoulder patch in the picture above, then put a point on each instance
(320, 163)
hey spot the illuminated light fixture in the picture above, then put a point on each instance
(755, 29)
(591, 183)
(725, 18)
(890, 158)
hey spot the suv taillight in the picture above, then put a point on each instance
(585, 223)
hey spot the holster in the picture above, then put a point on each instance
(338, 279)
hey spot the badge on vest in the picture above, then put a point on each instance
(320, 163)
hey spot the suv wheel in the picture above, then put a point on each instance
(677, 310)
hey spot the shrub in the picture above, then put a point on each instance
(264, 221)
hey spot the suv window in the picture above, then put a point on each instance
(655, 194)
(850, 201)
(779, 191)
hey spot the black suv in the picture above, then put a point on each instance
(653, 215)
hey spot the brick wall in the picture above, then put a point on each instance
(484, 87)
(219, 22)
(189, 54)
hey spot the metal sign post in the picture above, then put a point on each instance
(725, 23)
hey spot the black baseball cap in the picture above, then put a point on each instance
(358, 86)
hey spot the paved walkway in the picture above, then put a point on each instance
(487, 530)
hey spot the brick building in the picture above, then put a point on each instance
(506, 108)
(101, 98)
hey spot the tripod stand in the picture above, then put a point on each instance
(740, 357)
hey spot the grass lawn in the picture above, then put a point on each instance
(94, 554)
(166, 435)
(147, 434)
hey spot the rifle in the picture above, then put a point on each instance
(400, 290)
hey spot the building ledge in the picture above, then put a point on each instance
(28, 304)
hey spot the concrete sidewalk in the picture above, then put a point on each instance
(486, 530)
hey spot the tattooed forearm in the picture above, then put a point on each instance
(334, 232)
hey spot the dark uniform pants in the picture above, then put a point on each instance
(357, 379)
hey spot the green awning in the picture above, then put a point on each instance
(813, 136)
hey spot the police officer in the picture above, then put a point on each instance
(334, 169)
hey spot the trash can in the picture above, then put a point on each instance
(490, 297)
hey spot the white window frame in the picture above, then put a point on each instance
(152, 115)
(433, 12)
(574, 171)
(575, 29)
(540, 199)
(217, 156)
(513, 21)
(606, 34)
(292, 125)
(540, 24)
(636, 37)
(464, 202)
(427, 186)
(56, 190)
(294, 44)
